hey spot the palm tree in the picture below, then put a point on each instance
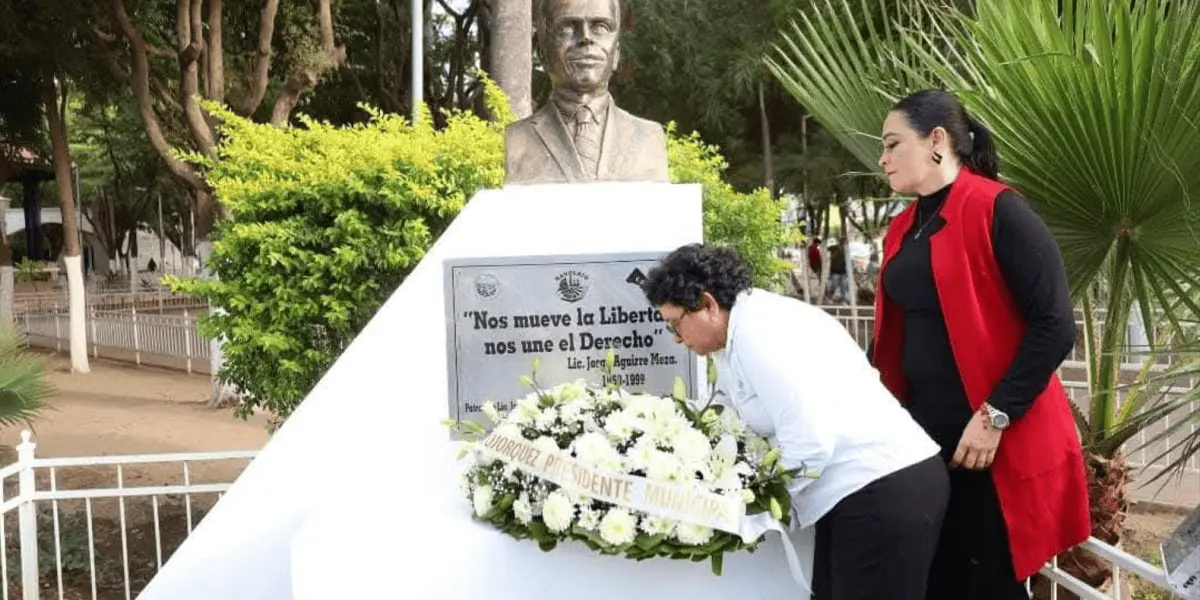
(1094, 106)
(23, 385)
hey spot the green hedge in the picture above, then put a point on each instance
(328, 221)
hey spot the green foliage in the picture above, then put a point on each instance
(748, 222)
(23, 385)
(328, 221)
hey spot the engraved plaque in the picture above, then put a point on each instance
(565, 311)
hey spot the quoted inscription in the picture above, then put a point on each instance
(569, 341)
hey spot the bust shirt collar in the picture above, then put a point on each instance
(567, 106)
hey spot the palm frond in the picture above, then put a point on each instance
(23, 386)
(846, 65)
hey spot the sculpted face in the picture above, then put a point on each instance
(580, 43)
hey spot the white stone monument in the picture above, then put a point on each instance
(357, 495)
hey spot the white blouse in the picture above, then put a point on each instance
(796, 376)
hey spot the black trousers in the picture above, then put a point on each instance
(878, 543)
(973, 559)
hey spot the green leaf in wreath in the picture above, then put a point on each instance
(718, 563)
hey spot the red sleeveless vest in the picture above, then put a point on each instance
(1039, 469)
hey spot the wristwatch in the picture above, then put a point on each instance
(996, 417)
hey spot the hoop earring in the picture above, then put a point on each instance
(937, 157)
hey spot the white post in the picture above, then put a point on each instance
(418, 59)
(95, 340)
(7, 284)
(27, 518)
(57, 330)
(137, 349)
(187, 341)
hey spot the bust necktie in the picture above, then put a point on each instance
(587, 141)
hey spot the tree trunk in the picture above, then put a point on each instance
(511, 52)
(307, 76)
(215, 56)
(56, 108)
(7, 287)
(768, 154)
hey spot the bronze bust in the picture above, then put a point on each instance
(581, 135)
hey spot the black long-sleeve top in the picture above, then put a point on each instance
(1032, 266)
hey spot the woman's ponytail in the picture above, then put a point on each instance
(982, 157)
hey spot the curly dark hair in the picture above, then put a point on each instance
(691, 270)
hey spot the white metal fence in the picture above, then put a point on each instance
(157, 339)
(107, 540)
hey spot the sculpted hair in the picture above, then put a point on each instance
(541, 17)
(691, 270)
(972, 142)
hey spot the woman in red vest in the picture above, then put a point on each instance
(973, 319)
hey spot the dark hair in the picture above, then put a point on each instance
(691, 270)
(971, 140)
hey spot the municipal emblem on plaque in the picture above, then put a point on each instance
(572, 286)
(487, 286)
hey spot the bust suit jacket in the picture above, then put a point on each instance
(539, 149)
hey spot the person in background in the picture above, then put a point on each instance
(796, 376)
(839, 285)
(973, 318)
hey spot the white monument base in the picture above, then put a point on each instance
(357, 495)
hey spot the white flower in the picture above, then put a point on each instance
(489, 410)
(691, 446)
(482, 499)
(545, 420)
(510, 471)
(693, 535)
(618, 527)
(638, 457)
(571, 391)
(558, 511)
(546, 444)
(464, 483)
(622, 424)
(726, 449)
(523, 509)
(572, 411)
(731, 423)
(663, 466)
(747, 496)
(593, 449)
(528, 409)
(508, 429)
(658, 525)
(589, 519)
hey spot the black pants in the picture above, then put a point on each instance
(973, 559)
(878, 543)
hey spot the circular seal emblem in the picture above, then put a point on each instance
(572, 286)
(487, 286)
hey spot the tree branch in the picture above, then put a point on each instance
(216, 53)
(140, 81)
(189, 27)
(306, 77)
(262, 60)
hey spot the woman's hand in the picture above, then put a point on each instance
(977, 448)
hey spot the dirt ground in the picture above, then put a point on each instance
(124, 409)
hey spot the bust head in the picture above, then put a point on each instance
(579, 42)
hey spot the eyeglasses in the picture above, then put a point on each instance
(673, 324)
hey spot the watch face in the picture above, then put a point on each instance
(999, 420)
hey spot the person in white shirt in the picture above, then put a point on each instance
(878, 489)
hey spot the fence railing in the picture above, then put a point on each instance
(157, 339)
(69, 544)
